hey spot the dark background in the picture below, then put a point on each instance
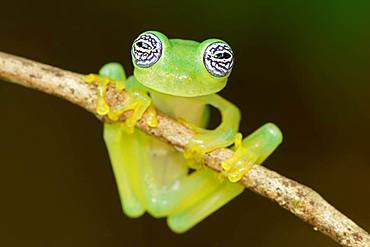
(301, 64)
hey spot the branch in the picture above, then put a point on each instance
(296, 198)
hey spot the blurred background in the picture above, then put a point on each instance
(304, 65)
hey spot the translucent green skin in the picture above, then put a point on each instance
(180, 70)
(151, 176)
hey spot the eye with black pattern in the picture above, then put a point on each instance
(146, 50)
(218, 59)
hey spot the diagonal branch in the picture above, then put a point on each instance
(296, 198)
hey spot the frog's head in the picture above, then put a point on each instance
(181, 67)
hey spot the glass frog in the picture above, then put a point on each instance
(180, 78)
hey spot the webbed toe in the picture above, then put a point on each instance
(253, 150)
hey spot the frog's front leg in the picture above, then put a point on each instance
(124, 146)
(224, 135)
(253, 150)
(138, 99)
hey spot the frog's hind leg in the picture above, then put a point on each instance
(123, 152)
(201, 193)
(161, 169)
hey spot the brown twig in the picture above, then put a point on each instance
(297, 198)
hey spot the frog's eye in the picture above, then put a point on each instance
(146, 50)
(218, 59)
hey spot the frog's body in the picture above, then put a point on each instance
(152, 176)
(179, 78)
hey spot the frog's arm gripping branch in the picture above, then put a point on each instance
(297, 198)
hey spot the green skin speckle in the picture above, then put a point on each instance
(151, 176)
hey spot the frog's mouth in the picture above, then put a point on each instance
(180, 85)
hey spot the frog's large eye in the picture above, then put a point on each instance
(146, 50)
(218, 58)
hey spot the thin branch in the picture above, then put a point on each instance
(296, 198)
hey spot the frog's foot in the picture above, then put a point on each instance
(208, 140)
(253, 150)
(102, 107)
(138, 100)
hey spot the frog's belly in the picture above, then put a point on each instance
(190, 109)
(165, 167)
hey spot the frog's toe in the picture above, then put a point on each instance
(254, 149)
(138, 100)
(138, 105)
(194, 152)
(208, 141)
